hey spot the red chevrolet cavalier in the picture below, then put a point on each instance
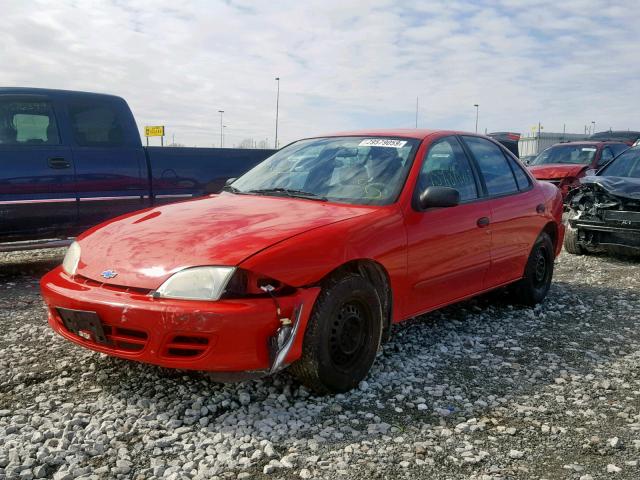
(306, 260)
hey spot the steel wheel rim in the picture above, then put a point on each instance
(541, 267)
(349, 332)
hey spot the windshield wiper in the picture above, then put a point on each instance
(289, 192)
(232, 189)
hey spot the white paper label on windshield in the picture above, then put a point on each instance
(382, 142)
(589, 149)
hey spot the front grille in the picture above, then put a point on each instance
(185, 346)
(108, 286)
(125, 338)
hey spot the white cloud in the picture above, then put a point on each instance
(344, 65)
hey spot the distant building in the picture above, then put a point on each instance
(536, 142)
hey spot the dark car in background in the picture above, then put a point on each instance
(627, 136)
(604, 211)
(563, 164)
(69, 160)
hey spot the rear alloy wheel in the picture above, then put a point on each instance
(342, 336)
(535, 284)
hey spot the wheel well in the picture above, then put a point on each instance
(379, 278)
(551, 229)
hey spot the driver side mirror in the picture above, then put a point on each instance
(439, 197)
(229, 181)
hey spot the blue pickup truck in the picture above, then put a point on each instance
(69, 160)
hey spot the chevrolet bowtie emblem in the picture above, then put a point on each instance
(109, 274)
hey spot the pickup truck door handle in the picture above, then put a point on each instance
(483, 222)
(58, 163)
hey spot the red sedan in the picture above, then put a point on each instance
(563, 164)
(306, 260)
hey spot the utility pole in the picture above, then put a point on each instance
(477, 110)
(277, 108)
(594, 125)
(417, 112)
(221, 128)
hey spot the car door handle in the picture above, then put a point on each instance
(483, 222)
(58, 163)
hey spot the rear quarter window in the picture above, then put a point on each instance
(97, 124)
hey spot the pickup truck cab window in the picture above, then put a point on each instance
(493, 165)
(446, 165)
(96, 124)
(26, 121)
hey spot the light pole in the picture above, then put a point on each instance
(594, 125)
(277, 108)
(477, 109)
(223, 128)
(221, 134)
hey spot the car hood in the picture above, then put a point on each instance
(626, 187)
(556, 170)
(147, 247)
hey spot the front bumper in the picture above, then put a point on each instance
(221, 336)
(596, 232)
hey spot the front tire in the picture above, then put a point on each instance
(535, 284)
(342, 336)
(571, 244)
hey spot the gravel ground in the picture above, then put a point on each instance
(480, 390)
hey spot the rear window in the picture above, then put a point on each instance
(26, 121)
(96, 125)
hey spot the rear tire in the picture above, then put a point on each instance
(342, 336)
(535, 284)
(571, 244)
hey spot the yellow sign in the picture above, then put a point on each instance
(154, 131)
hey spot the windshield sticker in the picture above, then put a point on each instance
(588, 149)
(382, 142)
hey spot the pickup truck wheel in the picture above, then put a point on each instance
(538, 273)
(571, 244)
(342, 336)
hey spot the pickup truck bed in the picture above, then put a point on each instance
(69, 160)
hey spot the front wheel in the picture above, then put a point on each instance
(342, 336)
(571, 244)
(535, 284)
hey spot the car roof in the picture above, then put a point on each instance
(417, 133)
(593, 143)
(52, 92)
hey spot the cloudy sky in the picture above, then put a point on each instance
(343, 64)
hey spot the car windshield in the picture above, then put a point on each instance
(627, 164)
(355, 170)
(574, 154)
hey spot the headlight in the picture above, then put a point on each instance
(197, 283)
(71, 259)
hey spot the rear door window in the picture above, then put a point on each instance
(26, 121)
(446, 165)
(493, 165)
(96, 124)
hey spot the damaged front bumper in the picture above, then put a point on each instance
(602, 219)
(233, 338)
